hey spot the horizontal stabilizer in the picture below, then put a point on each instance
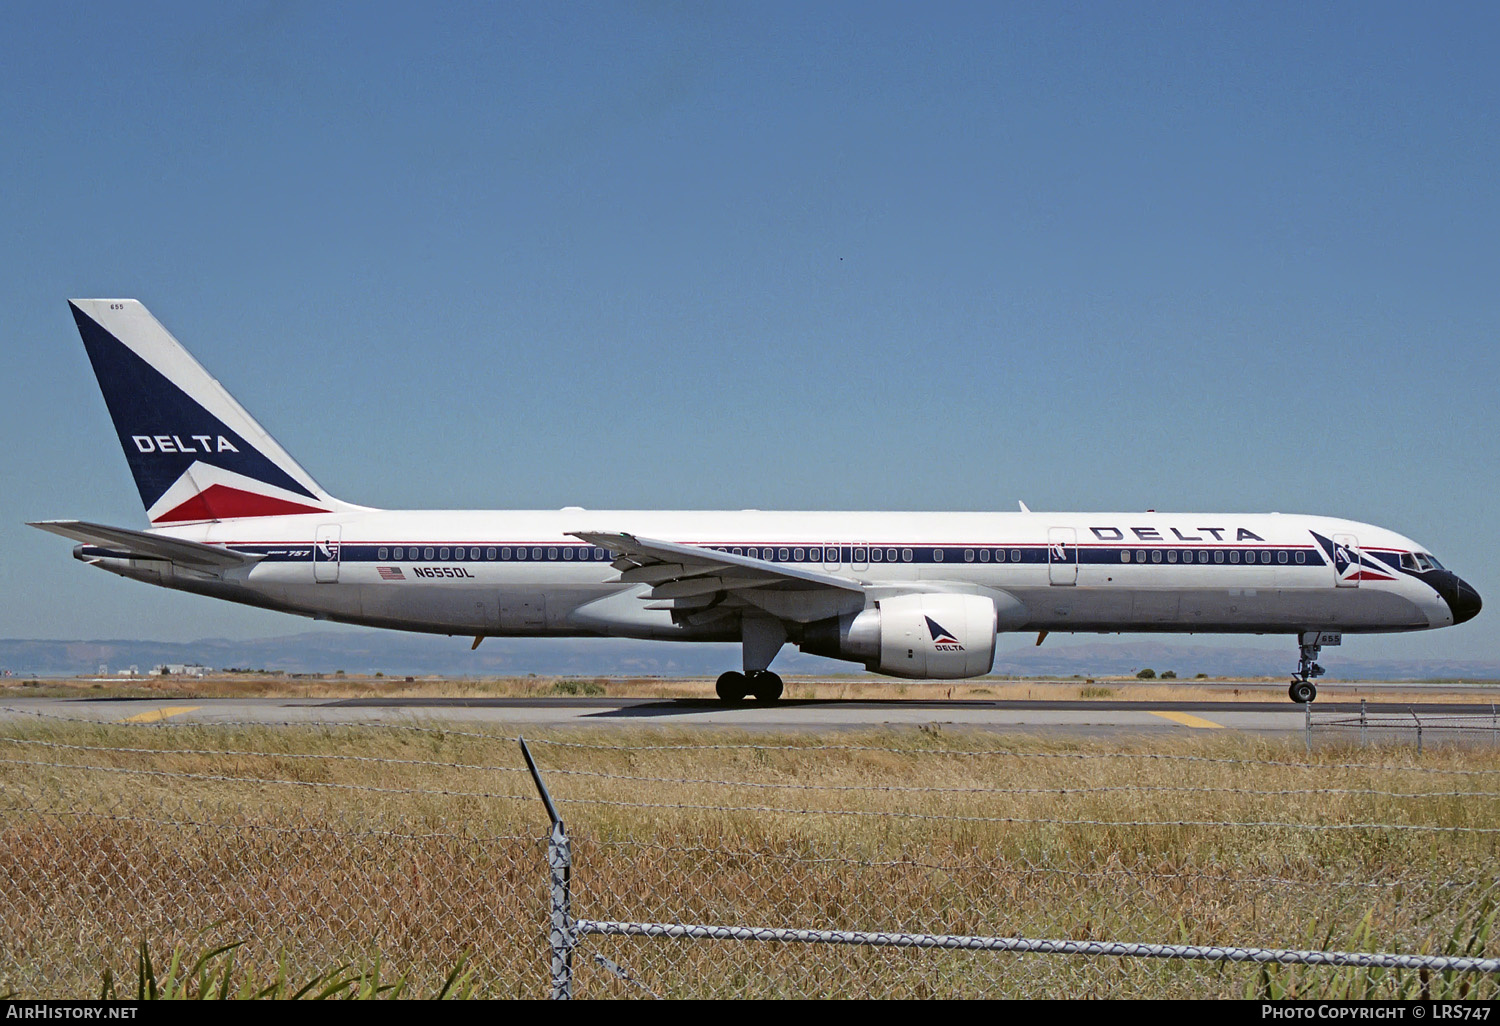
(145, 545)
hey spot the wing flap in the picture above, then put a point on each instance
(146, 545)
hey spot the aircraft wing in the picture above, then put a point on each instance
(680, 572)
(132, 544)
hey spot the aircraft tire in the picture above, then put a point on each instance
(732, 687)
(1302, 691)
(765, 686)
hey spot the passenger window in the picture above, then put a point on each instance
(816, 555)
(737, 552)
(859, 555)
(551, 553)
(1281, 556)
(1218, 555)
(1156, 555)
(505, 552)
(1302, 557)
(906, 555)
(568, 552)
(536, 553)
(1140, 555)
(1171, 555)
(1015, 555)
(783, 555)
(968, 555)
(520, 553)
(1124, 555)
(1234, 555)
(890, 555)
(1265, 555)
(876, 555)
(380, 554)
(443, 552)
(798, 555)
(937, 555)
(398, 553)
(984, 555)
(489, 553)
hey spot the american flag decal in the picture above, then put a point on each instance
(390, 573)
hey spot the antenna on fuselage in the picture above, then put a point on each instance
(1024, 508)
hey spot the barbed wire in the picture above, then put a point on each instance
(155, 822)
(1199, 874)
(1025, 820)
(217, 778)
(246, 754)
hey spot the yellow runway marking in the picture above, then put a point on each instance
(157, 715)
(1189, 721)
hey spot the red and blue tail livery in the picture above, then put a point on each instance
(195, 453)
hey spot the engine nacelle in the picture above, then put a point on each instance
(929, 636)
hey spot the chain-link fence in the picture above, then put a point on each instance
(888, 864)
(1420, 729)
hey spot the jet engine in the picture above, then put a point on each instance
(930, 636)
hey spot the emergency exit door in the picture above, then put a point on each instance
(326, 554)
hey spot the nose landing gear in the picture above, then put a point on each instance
(1302, 689)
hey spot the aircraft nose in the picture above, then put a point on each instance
(1465, 602)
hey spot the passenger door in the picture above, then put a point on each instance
(1346, 561)
(1062, 555)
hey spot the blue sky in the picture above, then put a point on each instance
(1095, 256)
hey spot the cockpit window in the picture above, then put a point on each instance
(1430, 558)
(1419, 561)
(1408, 561)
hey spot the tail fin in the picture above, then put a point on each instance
(195, 453)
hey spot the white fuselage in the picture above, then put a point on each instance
(522, 573)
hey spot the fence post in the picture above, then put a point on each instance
(1363, 724)
(1307, 727)
(1419, 731)
(562, 932)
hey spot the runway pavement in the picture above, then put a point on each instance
(1060, 716)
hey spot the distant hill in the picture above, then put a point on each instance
(390, 652)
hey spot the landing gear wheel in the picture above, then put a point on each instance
(732, 687)
(1302, 691)
(765, 685)
(1308, 647)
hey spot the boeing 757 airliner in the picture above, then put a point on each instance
(918, 595)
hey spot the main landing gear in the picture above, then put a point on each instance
(1302, 690)
(763, 684)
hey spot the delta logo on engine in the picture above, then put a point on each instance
(941, 639)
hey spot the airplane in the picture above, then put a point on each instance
(907, 595)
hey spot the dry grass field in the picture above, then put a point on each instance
(324, 847)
